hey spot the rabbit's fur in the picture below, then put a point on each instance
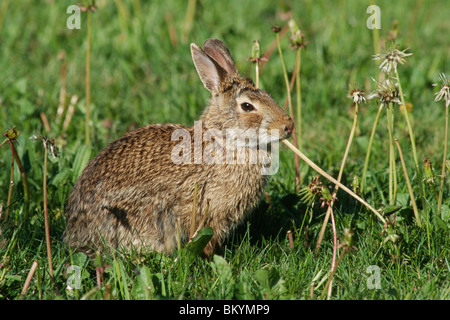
(132, 194)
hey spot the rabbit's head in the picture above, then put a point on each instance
(235, 101)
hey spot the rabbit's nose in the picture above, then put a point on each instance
(288, 127)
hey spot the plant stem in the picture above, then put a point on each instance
(178, 234)
(4, 141)
(408, 184)
(289, 98)
(257, 74)
(413, 144)
(369, 148)
(200, 226)
(376, 36)
(333, 180)
(11, 184)
(190, 13)
(330, 278)
(47, 227)
(349, 143)
(341, 171)
(3, 12)
(24, 178)
(299, 100)
(408, 123)
(285, 75)
(29, 277)
(194, 212)
(441, 187)
(88, 79)
(392, 170)
(333, 260)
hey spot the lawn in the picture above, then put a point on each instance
(140, 72)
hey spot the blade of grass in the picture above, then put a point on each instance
(194, 212)
(178, 234)
(121, 279)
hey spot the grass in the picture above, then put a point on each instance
(141, 72)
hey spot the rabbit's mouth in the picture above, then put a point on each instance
(286, 127)
(253, 138)
(272, 136)
(279, 130)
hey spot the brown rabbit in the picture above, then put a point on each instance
(137, 190)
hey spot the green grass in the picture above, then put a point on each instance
(140, 75)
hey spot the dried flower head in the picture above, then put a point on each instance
(316, 186)
(276, 29)
(49, 144)
(357, 95)
(313, 191)
(386, 92)
(90, 7)
(444, 93)
(391, 59)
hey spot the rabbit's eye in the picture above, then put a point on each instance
(247, 107)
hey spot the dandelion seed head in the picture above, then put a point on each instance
(444, 93)
(48, 144)
(357, 95)
(386, 92)
(391, 59)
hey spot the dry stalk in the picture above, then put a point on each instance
(29, 277)
(327, 176)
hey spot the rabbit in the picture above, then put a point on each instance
(134, 195)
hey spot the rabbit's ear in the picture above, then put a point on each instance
(209, 71)
(217, 50)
